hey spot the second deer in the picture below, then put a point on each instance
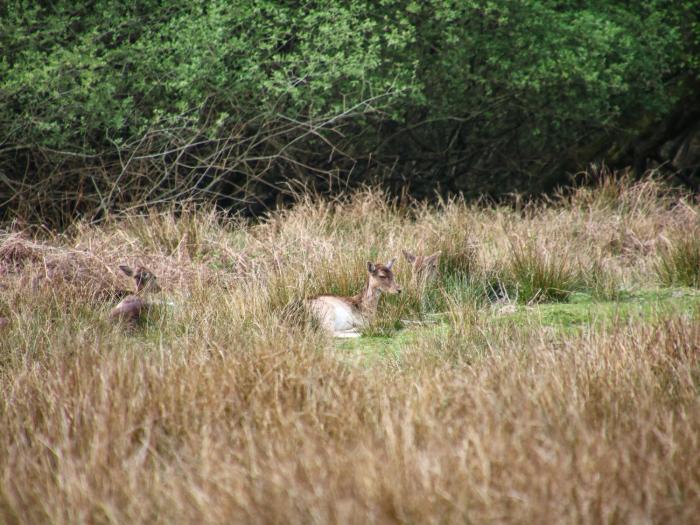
(424, 268)
(134, 305)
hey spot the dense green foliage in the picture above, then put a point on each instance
(474, 95)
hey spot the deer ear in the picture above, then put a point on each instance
(371, 267)
(126, 270)
(409, 256)
(390, 263)
(435, 256)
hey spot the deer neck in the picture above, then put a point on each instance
(368, 298)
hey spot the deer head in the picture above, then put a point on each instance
(423, 267)
(382, 278)
(144, 279)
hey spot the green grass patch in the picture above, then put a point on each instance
(583, 311)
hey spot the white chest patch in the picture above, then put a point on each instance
(344, 318)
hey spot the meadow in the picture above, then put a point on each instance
(550, 374)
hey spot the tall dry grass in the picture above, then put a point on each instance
(222, 407)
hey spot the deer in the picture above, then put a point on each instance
(344, 316)
(424, 268)
(133, 305)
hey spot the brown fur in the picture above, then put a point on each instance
(133, 306)
(129, 309)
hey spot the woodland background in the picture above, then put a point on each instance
(108, 105)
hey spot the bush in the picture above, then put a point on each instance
(105, 103)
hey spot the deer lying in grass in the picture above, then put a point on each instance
(343, 316)
(4, 323)
(131, 307)
(424, 268)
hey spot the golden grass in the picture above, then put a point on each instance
(224, 408)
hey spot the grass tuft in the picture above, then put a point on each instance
(679, 262)
(537, 274)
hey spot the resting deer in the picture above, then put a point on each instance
(131, 307)
(424, 267)
(343, 316)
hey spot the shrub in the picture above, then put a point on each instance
(103, 104)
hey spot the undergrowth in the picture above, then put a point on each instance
(548, 374)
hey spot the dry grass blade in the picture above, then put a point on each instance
(228, 404)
